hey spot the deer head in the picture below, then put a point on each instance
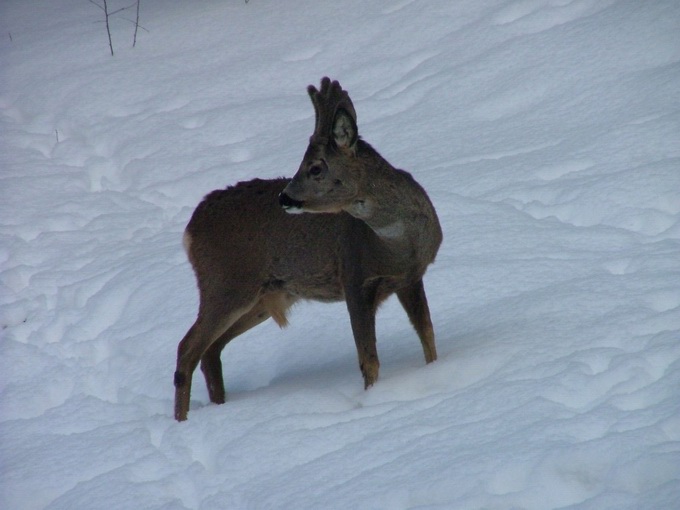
(329, 176)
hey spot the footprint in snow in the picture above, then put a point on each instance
(193, 122)
(301, 54)
(552, 172)
(532, 16)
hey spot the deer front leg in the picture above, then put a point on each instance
(414, 301)
(362, 307)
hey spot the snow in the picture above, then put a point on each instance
(546, 133)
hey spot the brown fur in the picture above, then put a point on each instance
(375, 236)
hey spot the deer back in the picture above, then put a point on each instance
(242, 234)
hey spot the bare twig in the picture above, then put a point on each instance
(134, 39)
(108, 14)
(95, 3)
(105, 8)
(134, 23)
(123, 9)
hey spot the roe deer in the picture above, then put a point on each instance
(253, 259)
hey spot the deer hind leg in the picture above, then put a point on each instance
(211, 365)
(211, 324)
(273, 305)
(414, 301)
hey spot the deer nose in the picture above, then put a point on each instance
(288, 203)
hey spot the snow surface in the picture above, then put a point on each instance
(547, 133)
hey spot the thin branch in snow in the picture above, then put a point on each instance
(95, 3)
(108, 14)
(105, 8)
(123, 9)
(134, 39)
(108, 29)
(136, 26)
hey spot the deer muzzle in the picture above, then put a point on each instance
(289, 204)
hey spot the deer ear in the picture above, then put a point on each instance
(344, 129)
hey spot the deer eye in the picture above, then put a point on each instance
(315, 171)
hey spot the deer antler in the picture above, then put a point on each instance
(327, 102)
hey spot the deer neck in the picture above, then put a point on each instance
(386, 222)
(387, 207)
(396, 208)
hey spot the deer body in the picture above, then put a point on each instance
(374, 234)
